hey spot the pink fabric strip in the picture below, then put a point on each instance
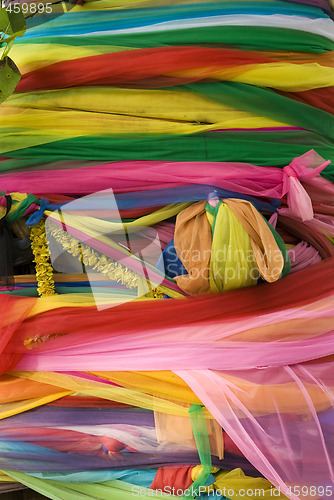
(120, 355)
(138, 175)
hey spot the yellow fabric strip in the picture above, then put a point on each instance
(278, 75)
(100, 390)
(288, 77)
(162, 384)
(237, 481)
(287, 396)
(159, 104)
(13, 389)
(269, 258)
(23, 139)
(94, 227)
(10, 409)
(6, 479)
(324, 59)
(31, 56)
(40, 126)
(232, 263)
(44, 304)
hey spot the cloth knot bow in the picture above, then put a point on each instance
(303, 168)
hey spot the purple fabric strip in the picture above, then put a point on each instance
(322, 4)
(48, 416)
(73, 462)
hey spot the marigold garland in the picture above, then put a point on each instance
(44, 270)
(31, 343)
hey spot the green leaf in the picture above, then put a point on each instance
(12, 23)
(9, 78)
(9, 45)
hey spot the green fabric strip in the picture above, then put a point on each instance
(275, 149)
(265, 102)
(201, 436)
(108, 490)
(242, 37)
(213, 211)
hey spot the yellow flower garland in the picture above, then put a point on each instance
(106, 266)
(113, 270)
(44, 271)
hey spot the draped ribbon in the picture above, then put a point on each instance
(193, 246)
(203, 446)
